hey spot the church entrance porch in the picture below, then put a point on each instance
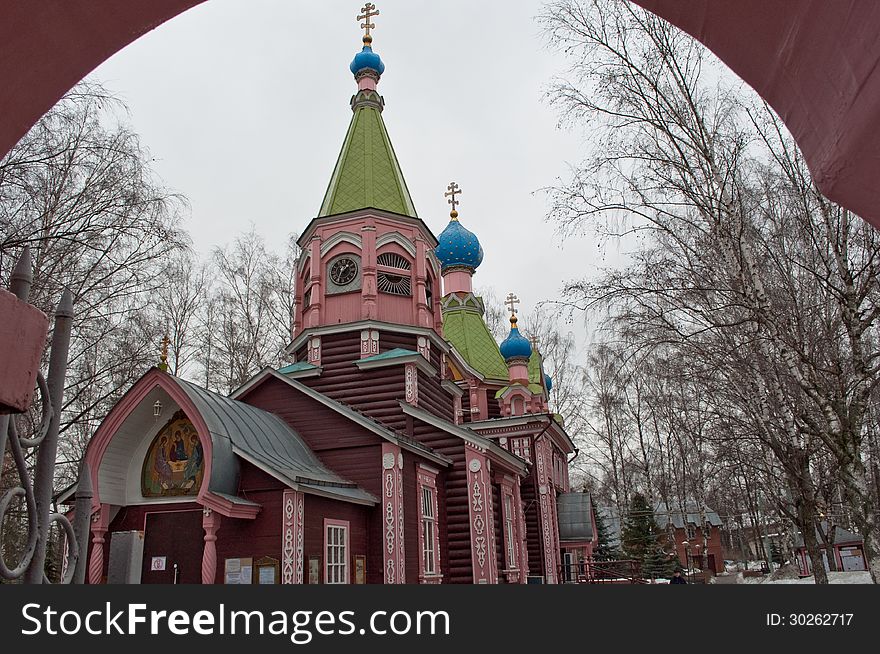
(173, 542)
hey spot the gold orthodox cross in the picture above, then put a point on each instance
(511, 302)
(453, 191)
(369, 12)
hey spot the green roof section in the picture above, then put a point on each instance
(467, 332)
(396, 353)
(367, 173)
(299, 366)
(535, 368)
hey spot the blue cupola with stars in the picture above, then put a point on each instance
(548, 382)
(457, 245)
(515, 346)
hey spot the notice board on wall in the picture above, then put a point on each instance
(239, 571)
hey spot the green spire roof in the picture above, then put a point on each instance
(468, 333)
(367, 173)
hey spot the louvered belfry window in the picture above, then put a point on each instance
(397, 279)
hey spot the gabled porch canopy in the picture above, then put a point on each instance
(229, 432)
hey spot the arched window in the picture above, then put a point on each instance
(393, 260)
(396, 278)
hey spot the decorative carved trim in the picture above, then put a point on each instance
(293, 537)
(369, 343)
(412, 383)
(393, 553)
(315, 350)
(424, 348)
(482, 528)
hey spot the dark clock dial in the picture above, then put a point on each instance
(343, 271)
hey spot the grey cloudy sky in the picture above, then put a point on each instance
(244, 105)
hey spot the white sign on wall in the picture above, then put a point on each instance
(158, 563)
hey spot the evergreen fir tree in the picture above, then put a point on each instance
(641, 539)
(605, 550)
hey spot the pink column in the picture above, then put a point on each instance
(393, 553)
(369, 293)
(480, 514)
(315, 310)
(210, 523)
(100, 524)
(423, 317)
(292, 537)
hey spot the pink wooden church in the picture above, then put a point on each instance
(402, 445)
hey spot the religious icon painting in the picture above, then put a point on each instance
(175, 462)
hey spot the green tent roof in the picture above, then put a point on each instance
(468, 333)
(535, 362)
(367, 173)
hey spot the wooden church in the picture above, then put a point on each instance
(402, 445)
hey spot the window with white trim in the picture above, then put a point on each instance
(336, 553)
(509, 533)
(521, 447)
(429, 530)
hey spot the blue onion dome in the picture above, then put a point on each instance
(515, 346)
(367, 59)
(458, 247)
(548, 382)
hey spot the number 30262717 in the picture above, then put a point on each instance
(809, 619)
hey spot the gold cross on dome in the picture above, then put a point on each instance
(369, 12)
(454, 190)
(511, 302)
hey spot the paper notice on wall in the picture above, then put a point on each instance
(239, 571)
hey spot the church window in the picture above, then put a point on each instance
(393, 260)
(509, 533)
(520, 447)
(429, 293)
(336, 552)
(307, 298)
(429, 534)
(429, 527)
(394, 284)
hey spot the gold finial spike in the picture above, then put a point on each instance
(511, 302)
(163, 359)
(453, 190)
(369, 10)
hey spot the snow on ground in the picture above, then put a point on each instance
(833, 578)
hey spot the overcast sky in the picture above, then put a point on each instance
(244, 104)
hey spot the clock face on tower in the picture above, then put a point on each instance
(343, 271)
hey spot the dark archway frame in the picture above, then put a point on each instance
(816, 63)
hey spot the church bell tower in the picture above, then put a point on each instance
(367, 256)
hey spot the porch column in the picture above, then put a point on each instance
(547, 510)
(393, 554)
(483, 560)
(292, 535)
(210, 523)
(100, 524)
